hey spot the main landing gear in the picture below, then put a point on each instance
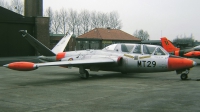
(84, 74)
(184, 75)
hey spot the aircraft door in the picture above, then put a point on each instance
(143, 60)
(161, 59)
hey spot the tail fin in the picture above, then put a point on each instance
(168, 46)
(62, 44)
(41, 48)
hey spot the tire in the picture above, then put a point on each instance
(86, 75)
(184, 76)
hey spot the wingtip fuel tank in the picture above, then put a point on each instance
(21, 66)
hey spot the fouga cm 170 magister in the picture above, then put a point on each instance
(124, 58)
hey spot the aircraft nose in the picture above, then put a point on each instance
(175, 63)
(6, 65)
(194, 63)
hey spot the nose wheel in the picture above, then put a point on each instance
(184, 75)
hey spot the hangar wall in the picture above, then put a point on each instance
(11, 41)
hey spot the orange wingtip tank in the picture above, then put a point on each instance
(192, 54)
(180, 63)
(22, 66)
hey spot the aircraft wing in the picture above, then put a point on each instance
(77, 62)
(27, 66)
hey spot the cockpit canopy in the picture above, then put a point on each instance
(137, 49)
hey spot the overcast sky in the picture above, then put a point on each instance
(158, 17)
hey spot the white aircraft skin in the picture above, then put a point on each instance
(129, 62)
(125, 58)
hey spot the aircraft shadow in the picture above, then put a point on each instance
(45, 82)
(76, 78)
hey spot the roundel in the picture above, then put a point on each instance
(70, 59)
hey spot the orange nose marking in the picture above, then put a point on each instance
(179, 63)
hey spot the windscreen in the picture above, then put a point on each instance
(110, 47)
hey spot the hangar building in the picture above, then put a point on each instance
(11, 41)
(99, 38)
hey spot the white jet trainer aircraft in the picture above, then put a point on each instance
(125, 58)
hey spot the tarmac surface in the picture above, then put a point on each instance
(6, 60)
(52, 89)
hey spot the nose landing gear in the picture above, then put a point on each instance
(184, 75)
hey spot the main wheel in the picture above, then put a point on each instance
(85, 75)
(184, 76)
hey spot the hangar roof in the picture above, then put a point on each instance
(107, 34)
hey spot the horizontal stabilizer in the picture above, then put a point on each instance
(41, 48)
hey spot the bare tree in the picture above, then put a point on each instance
(78, 26)
(4, 4)
(79, 23)
(63, 21)
(85, 20)
(94, 19)
(114, 21)
(102, 20)
(143, 35)
(72, 20)
(17, 6)
(49, 13)
(56, 22)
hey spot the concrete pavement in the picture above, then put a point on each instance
(51, 89)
